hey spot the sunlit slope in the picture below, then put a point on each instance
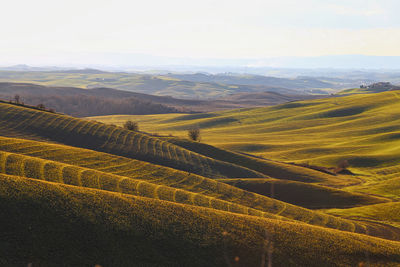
(304, 194)
(363, 129)
(31, 167)
(387, 212)
(143, 179)
(112, 139)
(271, 168)
(86, 168)
(130, 230)
(388, 188)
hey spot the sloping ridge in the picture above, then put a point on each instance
(115, 140)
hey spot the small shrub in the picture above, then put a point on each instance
(194, 134)
(41, 106)
(344, 164)
(342, 167)
(131, 125)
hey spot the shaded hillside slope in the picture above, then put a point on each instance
(306, 195)
(106, 101)
(82, 102)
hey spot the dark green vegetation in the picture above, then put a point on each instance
(76, 192)
(372, 88)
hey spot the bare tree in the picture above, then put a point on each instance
(17, 99)
(194, 134)
(131, 125)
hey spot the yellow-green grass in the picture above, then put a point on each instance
(386, 212)
(112, 139)
(160, 184)
(362, 91)
(60, 225)
(271, 168)
(198, 184)
(36, 168)
(363, 129)
(387, 188)
(306, 195)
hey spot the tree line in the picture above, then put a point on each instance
(83, 105)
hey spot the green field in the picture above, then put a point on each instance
(362, 129)
(77, 192)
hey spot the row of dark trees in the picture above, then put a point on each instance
(84, 105)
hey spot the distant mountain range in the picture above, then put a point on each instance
(132, 61)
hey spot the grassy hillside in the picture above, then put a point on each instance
(306, 195)
(94, 135)
(369, 89)
(124, 233)
(362, 129)
(271, 168)
(86, 168)
(387, 212)
(76, 192)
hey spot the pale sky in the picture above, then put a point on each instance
(198, 29)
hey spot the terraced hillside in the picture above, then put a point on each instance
(89, 134)
(87, 168)
(76, 193)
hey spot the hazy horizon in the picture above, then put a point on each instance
(223, 33)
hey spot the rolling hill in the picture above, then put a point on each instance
(130, 230)
(372, 88)
(361, 129)
(77, 192)
(298, 84)
(139, 83)
(106, 101)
